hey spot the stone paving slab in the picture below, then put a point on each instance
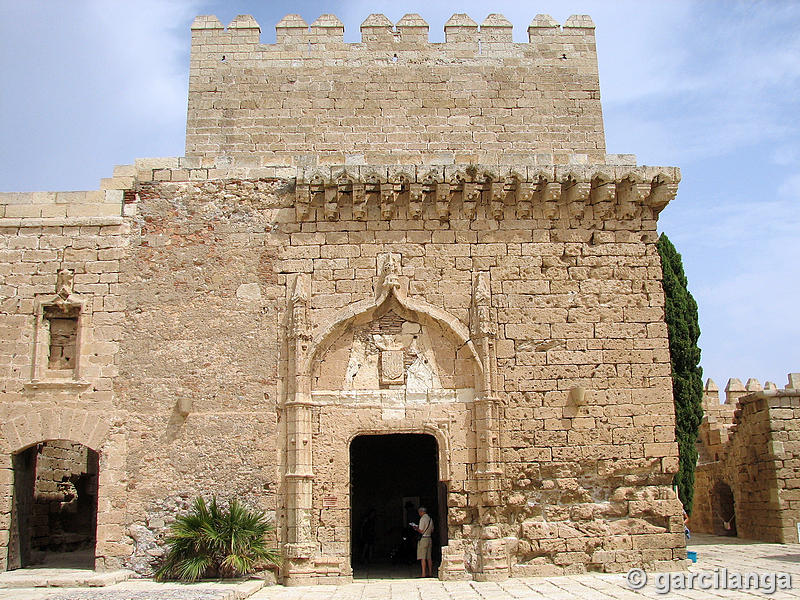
(715, 555)
(142, 589)
(65, 578)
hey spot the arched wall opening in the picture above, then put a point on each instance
(391, 476)
(396, 354)
(401, 329)
(54, 506)
(723, 510)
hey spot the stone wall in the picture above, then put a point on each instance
(59, 254)
(750, 445)
(246, 311)
(200, 348)
(561, 265)
(313, 99)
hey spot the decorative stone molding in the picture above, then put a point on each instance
(389, 274)
(298, 302)
(298, 473)
(89, 429)
(589, 195)
(389, 288)
(64, 304)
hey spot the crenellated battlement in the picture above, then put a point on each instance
(735, 389)
(720, 418)
(377, 31)
(476, 97)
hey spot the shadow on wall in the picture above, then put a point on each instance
(723, 510)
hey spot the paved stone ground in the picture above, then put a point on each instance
(139, 589)
(714, 556)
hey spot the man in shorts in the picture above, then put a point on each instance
(425, 529)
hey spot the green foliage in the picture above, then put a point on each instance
(687, 375)
(213, 542)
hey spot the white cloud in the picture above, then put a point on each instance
(87, 85)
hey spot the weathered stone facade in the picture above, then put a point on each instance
(748, 474)
(375, 238)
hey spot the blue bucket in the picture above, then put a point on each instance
(692, 556)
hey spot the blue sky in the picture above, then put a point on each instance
(710, 87)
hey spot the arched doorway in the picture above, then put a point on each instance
(391, 476)
(723, 510)
(54, 508)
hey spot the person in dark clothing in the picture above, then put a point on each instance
(368, 536)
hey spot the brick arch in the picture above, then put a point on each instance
(89, 429)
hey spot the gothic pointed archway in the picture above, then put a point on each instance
(387, 365)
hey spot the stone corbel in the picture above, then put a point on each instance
(331, 207)
(470, 197)
(359, 202)
(388, 197)
(525, 203)
(302, 202)
(415, 201)
(497, 204)
(372, 187)
(552, 191)
(510, 187)
(574, 194)
(602, 195)
(401, 184)
(629, 197)
(443, 201)
(317, 189)
(546, 194)
(574, 190)
(662, 191)
(344, 190)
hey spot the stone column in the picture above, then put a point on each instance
(492, 555)
(299, 548)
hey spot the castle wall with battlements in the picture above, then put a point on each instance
(747, 481)
(354, 245)
(312, 99)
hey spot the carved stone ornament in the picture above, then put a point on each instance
(388, 273)
(572, 192)
(359, 202)
(298, 305)
(482, 301)
(64, 283)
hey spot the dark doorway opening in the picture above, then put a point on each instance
(54, 509)
(723, 510)
(391, 476)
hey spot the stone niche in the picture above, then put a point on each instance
(393, 354)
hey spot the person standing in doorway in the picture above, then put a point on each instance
(368, 536)
(425, 529)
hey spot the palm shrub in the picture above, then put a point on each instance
(211, 541)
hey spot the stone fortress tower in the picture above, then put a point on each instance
(384, 271)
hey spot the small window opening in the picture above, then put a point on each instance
(62, 322)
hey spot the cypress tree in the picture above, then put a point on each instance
(687, 375)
